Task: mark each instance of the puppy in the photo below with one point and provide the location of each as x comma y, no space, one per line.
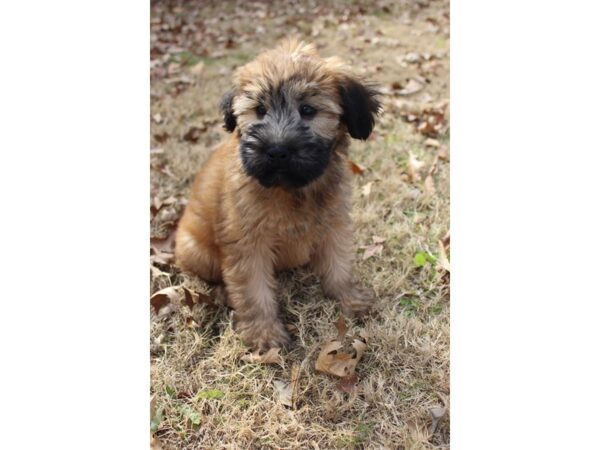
277,193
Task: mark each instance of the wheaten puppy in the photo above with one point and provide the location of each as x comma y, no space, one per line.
277,193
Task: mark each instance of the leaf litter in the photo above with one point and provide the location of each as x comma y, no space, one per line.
333,360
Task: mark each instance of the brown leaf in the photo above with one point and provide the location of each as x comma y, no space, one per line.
446,239
272,356
161,138
430,142
414,166
338,363
429,185
341,327
189,298
190,322
372,250
163,298
197,69
193,134
356,169
155,443
348,384
444,153
443,261
412,87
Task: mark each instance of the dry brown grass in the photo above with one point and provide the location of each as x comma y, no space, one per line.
405,371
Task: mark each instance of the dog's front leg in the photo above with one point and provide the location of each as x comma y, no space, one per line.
249,278
332,261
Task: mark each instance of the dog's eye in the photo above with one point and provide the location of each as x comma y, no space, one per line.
307,111
261,110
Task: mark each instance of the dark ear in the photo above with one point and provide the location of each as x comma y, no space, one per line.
226,107
360,105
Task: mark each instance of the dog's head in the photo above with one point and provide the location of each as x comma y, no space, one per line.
290,107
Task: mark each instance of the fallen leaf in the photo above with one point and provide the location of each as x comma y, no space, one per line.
272,356
348,384
161,138
366,189
158,256
164,297
444,153
430,142
446,239
341,327
372,250
429,185
284,392
155,443
443,261
412,57
356,169
197,69
337,363
412,87
437,414
193,134
191,323
378,239
196,298
414,165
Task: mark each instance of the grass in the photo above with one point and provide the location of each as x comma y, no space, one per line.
207,396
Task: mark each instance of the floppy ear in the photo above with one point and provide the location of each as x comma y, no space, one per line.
226,107
360,105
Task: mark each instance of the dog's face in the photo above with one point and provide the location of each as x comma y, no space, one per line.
289,107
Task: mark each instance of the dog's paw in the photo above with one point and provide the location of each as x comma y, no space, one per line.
261,336
357,301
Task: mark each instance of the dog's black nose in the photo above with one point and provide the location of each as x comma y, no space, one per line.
277,153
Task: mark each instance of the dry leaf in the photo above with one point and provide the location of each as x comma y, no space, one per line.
366,189
193,134
197,69
372,250
337,363
430,142
272,356
341,327
288,392
429,185
161,138
164,297
446,239
437,414
161,257
443,258
284,392
414,165
412,87
378,240
356,169
155,443
348,384
444,153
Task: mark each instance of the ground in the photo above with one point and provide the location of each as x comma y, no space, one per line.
205,395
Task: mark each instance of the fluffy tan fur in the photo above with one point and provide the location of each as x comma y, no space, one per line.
236,231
